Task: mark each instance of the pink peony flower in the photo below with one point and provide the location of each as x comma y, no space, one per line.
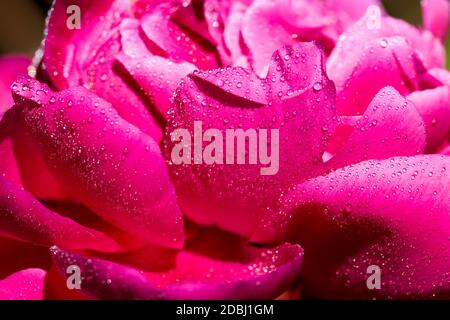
358,107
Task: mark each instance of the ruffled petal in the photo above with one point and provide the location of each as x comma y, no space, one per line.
383,62
442,75
22,217
270,25
296,101
66,49
213,265
18,255
392,214
434,107
86,56
158,77
436,17
108,164
391,126
10,68
24,285
373,25
172,42
349,11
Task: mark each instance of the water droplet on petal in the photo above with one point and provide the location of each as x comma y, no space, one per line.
317,86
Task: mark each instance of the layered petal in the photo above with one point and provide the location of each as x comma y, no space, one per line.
392,214
24,285
383,62
374,27
269,25
200,271
17,256
434,107
10,68
157,76
67,49
170,41
436,17
391,126
295,107
108,164
86,56
23,218
349,11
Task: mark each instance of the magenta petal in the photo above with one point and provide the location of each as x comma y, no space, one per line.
442,75
105,77
109,165
300,104
383,62
391,213
232,33
391,126
157,76
373,25
269,25
434,107
132,43
445,150
67,50
24,218
212,267
10,68
436,17
173,42
86,56
24,285
349,10
237,82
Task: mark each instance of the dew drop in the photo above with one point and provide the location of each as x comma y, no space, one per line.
317,86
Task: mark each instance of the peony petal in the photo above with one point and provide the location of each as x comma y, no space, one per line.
383,62
173,43
132,43
373,25
232,34
86,56
35,173
445,150
67,50
22,217
391,213
391,126
300,105
349,11
109,165
237,83
436,17
10,68
109,81
24,285
434,107
157,76
269,25
442,75
237,271
18,255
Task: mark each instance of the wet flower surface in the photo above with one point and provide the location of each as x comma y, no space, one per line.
358,107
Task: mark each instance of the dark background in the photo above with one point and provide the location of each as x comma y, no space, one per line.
22,22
